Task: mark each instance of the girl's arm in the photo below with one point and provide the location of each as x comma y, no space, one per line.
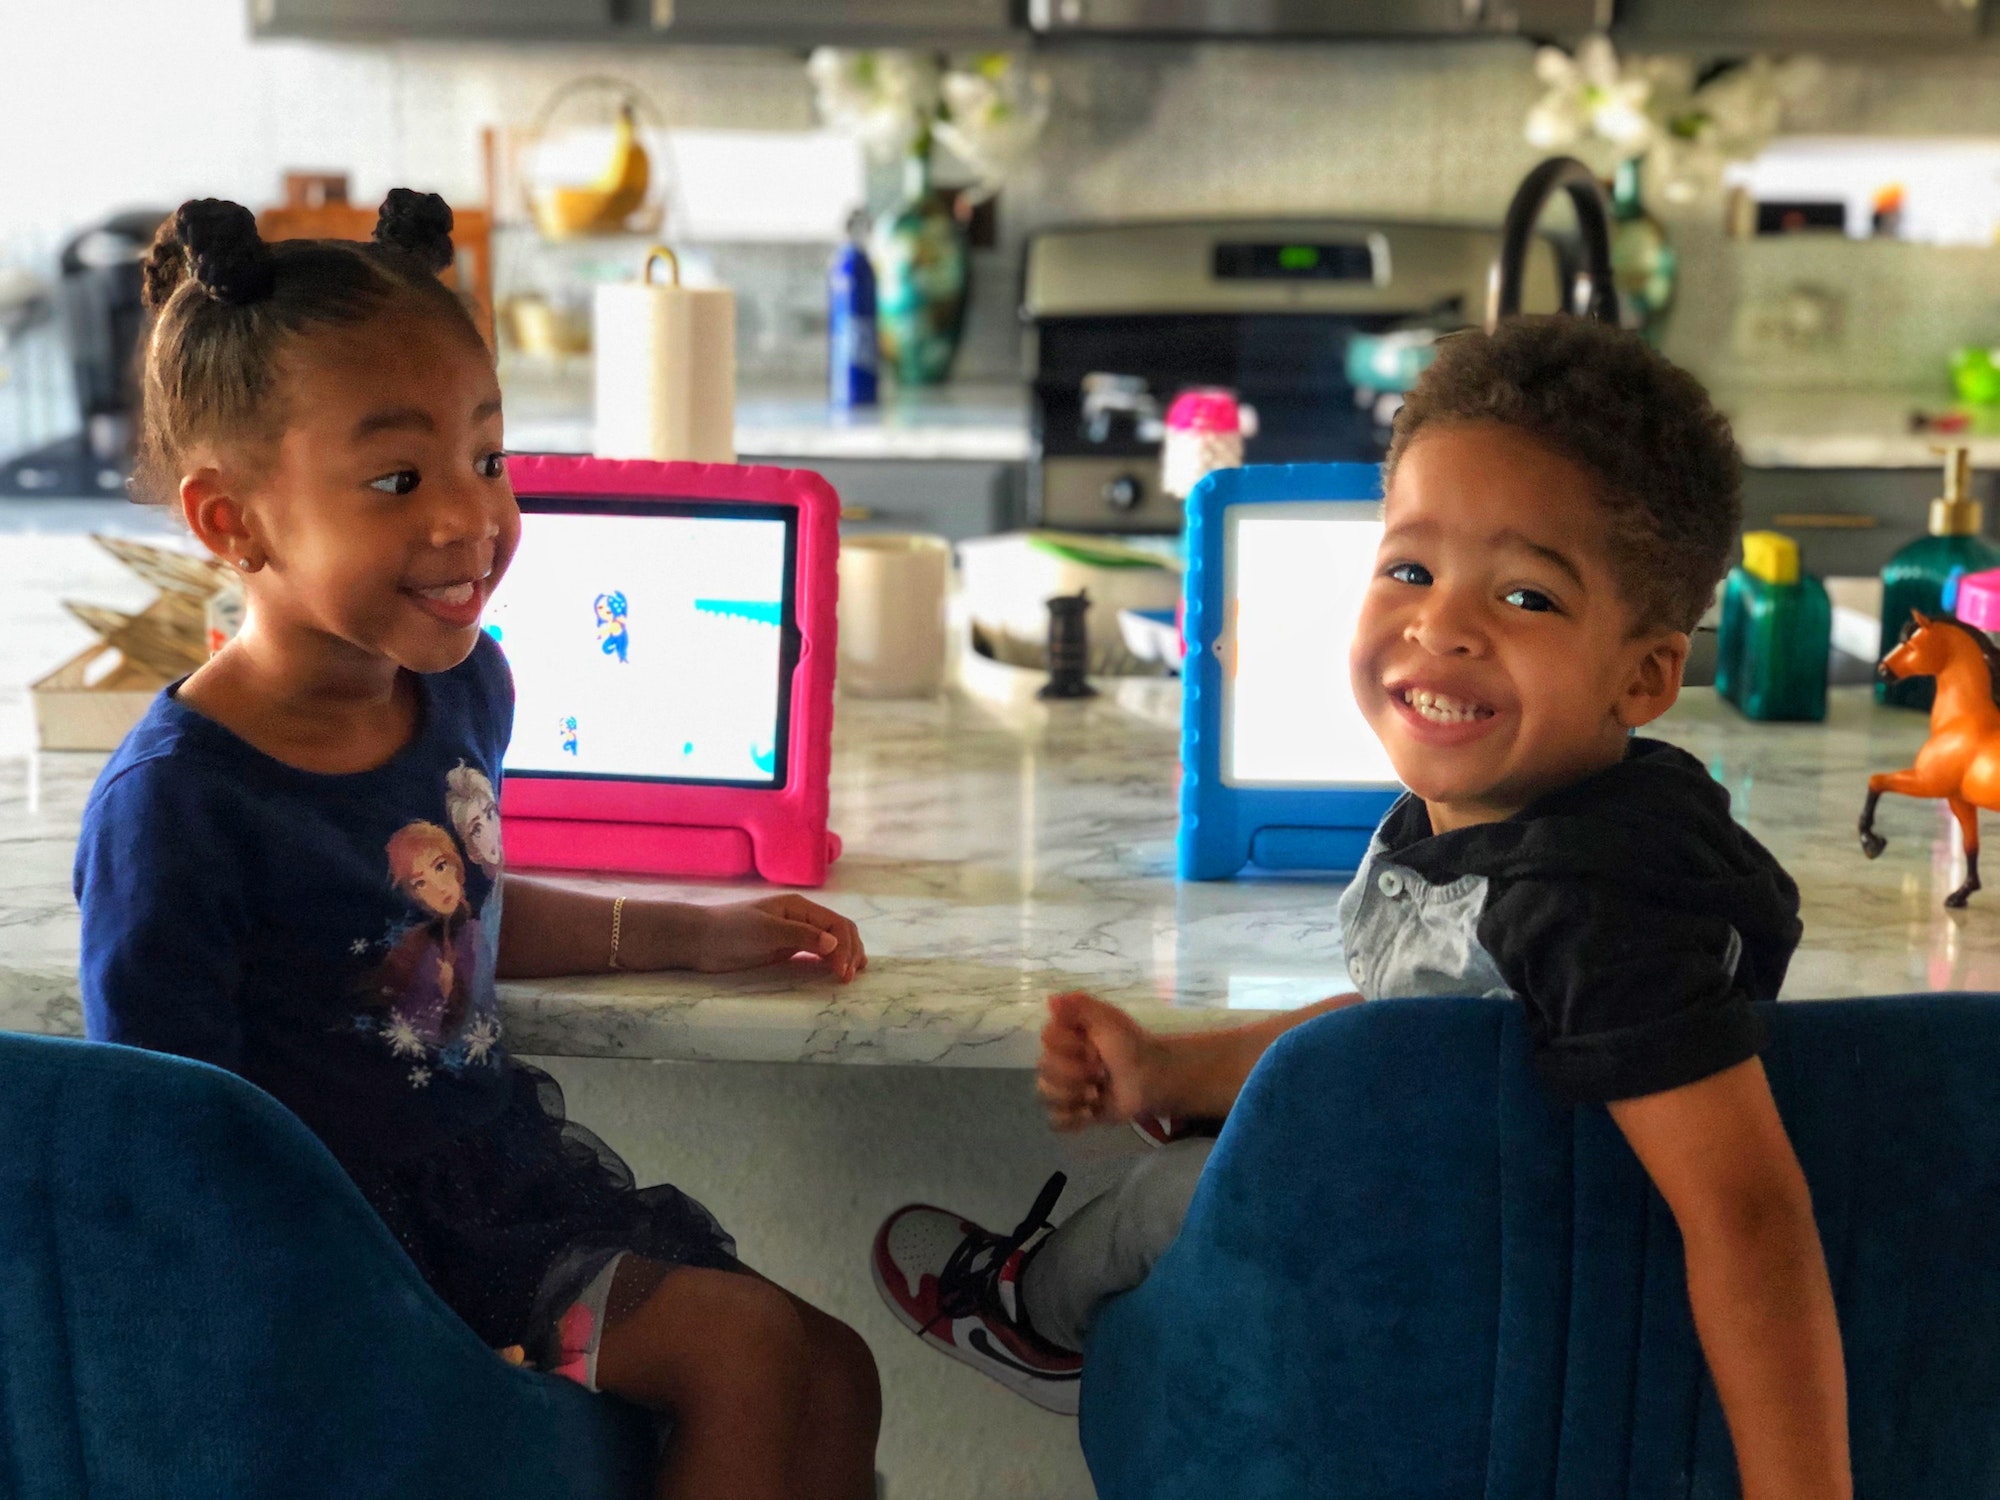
1100,1067
1756,1277
165,918
552,929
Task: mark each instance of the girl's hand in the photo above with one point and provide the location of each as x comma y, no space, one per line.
1096,1064
750,934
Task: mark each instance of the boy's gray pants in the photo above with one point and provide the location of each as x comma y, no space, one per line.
1108,1246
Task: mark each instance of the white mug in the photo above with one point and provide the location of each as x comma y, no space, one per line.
892,614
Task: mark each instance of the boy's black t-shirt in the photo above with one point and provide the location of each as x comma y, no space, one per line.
1632,915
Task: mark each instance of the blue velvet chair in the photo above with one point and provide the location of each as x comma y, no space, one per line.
1407,1273
195,1302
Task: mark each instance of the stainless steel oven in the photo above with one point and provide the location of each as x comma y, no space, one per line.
1122,317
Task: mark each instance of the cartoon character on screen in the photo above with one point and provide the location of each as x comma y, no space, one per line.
566,729
611,635
428,991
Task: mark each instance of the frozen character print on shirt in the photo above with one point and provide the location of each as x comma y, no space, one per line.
474,810
611,637
475,816
432,996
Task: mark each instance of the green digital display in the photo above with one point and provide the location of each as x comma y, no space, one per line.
1275,260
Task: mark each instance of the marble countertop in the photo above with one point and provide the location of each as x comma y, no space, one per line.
968,422
999,848
1781,429
1776,428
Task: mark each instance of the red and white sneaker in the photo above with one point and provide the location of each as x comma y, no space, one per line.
956,1286
1164,1130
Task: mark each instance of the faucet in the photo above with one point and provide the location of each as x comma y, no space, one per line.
1591,292
1106,395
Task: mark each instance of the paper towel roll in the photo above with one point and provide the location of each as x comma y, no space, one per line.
665,369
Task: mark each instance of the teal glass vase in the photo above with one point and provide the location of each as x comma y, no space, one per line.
1644,265
920,259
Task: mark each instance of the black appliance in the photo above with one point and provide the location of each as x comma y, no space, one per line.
1122,317
98,298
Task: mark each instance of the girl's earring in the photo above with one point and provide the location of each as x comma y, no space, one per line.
246,565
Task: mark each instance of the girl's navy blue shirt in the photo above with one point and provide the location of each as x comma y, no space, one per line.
330,938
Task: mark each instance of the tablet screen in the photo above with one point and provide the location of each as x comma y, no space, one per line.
650,640
1296,573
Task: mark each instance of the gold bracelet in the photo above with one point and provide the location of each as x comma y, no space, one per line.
617,929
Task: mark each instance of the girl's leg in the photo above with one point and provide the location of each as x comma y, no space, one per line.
726,1356
769,1395
835,1459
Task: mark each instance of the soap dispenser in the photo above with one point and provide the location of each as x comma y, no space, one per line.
1777,628
1915,576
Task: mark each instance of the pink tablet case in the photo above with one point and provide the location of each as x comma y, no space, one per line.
666,828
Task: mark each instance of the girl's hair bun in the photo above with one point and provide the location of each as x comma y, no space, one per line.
418,224
215,243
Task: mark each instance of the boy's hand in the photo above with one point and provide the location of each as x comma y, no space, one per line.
750,934
1095,1065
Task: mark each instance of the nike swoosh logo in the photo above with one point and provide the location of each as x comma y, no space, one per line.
979,1339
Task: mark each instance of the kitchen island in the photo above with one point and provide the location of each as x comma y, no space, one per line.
999,849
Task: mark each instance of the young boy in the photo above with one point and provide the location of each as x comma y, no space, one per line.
1560,503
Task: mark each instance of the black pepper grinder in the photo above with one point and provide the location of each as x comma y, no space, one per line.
1069,647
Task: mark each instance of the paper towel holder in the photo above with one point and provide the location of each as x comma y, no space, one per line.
658,253
670,824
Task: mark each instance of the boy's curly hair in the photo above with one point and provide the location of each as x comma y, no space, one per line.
1665,461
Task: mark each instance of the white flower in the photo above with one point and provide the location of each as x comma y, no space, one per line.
885,99
403,1038
1589,99
1606,111
995,112
358,947
420,1078
479,1039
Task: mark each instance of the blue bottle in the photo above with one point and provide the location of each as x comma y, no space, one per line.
854,356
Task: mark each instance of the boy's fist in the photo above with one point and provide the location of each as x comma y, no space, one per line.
1094,1065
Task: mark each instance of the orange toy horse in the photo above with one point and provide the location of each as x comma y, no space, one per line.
1960,762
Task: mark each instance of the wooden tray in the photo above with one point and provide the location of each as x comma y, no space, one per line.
76,709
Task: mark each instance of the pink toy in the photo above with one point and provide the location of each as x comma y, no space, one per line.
1206,427
559,821
1978,601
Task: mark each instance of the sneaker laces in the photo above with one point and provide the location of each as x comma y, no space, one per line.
969,1284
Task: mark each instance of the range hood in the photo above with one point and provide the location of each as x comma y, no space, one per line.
1263,19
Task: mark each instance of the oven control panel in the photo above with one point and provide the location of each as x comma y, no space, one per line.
1092,493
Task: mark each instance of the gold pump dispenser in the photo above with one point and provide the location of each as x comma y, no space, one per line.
1955,512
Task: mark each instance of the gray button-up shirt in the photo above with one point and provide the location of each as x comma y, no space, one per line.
1407,937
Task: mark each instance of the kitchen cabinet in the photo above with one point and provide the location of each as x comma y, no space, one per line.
950,498
1726,25
507,19
1276,20
1810,506
852,22
776,23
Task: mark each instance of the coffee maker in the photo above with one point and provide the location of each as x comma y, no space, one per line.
103,317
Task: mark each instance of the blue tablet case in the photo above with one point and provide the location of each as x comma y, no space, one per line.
1224,828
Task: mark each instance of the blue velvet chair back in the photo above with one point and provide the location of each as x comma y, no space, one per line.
1408,1273
195,1301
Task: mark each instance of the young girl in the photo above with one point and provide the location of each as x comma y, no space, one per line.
290,867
